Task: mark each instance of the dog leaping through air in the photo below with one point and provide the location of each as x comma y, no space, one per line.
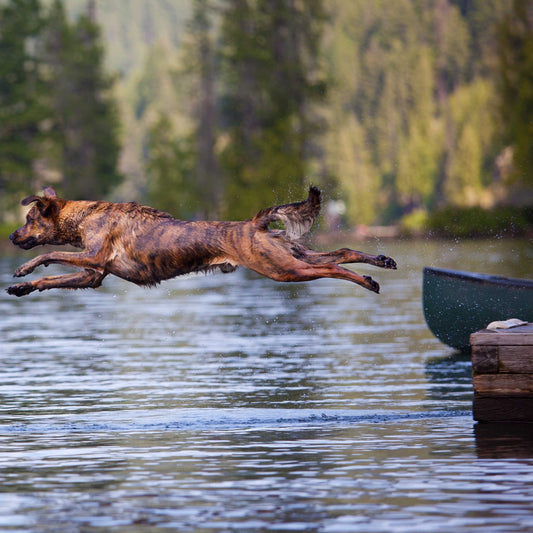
145,246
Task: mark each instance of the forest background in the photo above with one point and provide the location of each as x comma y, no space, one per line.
410,112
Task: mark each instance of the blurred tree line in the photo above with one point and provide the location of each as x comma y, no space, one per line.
252,77
398,107
58,121
420,116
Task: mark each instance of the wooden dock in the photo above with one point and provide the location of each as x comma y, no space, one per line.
502,365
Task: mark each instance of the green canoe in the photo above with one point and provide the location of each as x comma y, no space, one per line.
457,304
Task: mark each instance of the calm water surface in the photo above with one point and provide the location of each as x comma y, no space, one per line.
233,403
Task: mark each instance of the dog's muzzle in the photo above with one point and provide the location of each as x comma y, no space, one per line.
25,244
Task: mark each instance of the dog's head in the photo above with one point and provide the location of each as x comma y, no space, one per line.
41,221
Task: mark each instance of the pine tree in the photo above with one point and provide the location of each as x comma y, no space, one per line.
171,171
272,79
23,109
516,87
85,117
182,165
207,171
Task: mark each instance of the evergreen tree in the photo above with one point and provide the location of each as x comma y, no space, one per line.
350,163
482,18
411,89
203,70
85,117
421,152
472,158
410,73
186,159
516,74
171,170
23,109
272,79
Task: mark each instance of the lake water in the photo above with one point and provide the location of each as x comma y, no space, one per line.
234,403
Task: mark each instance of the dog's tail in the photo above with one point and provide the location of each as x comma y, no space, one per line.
297,218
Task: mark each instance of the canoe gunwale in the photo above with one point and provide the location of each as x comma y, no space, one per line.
475,277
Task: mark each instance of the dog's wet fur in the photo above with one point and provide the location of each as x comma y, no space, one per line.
145,246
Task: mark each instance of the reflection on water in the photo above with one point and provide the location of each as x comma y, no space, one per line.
232,403
510,440
450,376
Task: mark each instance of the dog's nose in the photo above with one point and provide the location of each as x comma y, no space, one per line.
12,237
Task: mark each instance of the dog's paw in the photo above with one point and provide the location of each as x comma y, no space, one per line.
23,270
20,289
386,262
371,285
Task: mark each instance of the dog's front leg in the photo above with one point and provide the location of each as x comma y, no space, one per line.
75,259
80,280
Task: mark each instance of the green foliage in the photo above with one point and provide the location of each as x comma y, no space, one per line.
482,17
418,80
420,155
271,81
184,92
410,103
171,171
131,28
353,170
473,153
23,105
415,222
85,118
516,71
475,221
58,121
419,165
428,103
203,71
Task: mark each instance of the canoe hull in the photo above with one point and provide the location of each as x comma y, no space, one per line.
457,303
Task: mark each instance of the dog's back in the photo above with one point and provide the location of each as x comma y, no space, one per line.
150,246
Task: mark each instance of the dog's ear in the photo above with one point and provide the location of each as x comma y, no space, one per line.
49,192
31,199
47,206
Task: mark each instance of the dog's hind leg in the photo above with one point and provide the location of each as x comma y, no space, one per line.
345,255
296,270
80,280
332,270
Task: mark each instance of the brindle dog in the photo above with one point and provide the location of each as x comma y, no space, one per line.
146,246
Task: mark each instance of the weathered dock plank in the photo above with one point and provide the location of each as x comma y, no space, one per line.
521,335
502,368
504,384
502,409
505,359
